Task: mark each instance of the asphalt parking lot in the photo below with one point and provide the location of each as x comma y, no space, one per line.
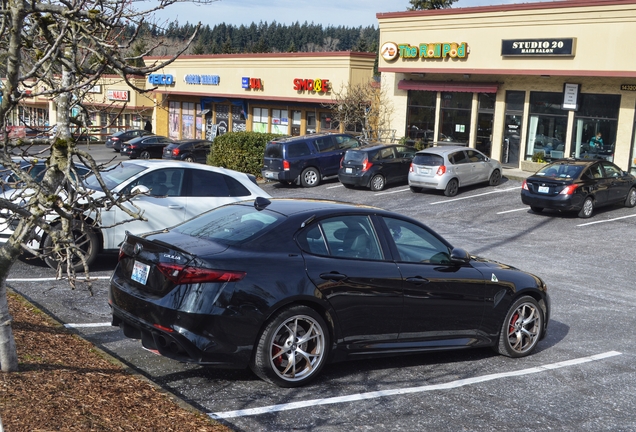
581,378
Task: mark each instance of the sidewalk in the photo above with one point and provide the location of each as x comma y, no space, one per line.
515,173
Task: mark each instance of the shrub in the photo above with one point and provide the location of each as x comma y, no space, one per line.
240,151
538,157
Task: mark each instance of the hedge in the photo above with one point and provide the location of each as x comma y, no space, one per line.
240,151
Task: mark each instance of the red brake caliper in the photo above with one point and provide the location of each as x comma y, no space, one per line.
514,319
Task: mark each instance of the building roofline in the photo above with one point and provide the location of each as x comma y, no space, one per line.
353,54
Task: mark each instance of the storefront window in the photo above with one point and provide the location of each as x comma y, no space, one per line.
547,126
187,120
421,115
311,122
296,118
238,119
327,123
512,132
222,119
485,119
198,122
280,122
632,167
595,126
259,119
173,119
455,116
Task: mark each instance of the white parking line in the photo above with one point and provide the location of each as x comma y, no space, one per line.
608,220
106,324
53,279
395,392
515,210
475,196
392,192
336,186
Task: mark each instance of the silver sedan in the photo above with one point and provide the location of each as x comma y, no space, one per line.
448,168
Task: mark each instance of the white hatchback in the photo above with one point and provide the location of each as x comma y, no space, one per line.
448,168
171,192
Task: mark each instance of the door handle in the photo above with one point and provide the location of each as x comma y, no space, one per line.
417,280
175,206
334,276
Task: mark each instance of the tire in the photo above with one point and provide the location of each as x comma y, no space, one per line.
292,348
536,209
310,177
451,188
144,154
415,189
495,178
587,209
521,329
188,159
377,183
630,200
84,238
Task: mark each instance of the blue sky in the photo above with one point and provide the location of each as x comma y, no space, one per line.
350,13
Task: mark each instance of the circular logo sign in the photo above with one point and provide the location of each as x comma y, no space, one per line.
389,51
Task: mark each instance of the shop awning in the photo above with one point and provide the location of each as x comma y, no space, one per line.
468,87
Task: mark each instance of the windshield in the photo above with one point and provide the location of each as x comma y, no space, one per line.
113,176
231,224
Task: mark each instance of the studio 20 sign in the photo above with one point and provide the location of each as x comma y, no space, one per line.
314,85
391,51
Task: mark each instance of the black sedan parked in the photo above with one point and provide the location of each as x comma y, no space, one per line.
115,140
578,185
145,147
375,166
284,286
189,150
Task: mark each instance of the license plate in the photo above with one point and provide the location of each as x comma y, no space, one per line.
270,175
349,170
544,189
425,171
140,272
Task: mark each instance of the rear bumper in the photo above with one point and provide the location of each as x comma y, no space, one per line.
558,202
279,175
427,182
354,180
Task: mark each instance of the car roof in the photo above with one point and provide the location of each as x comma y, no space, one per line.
126,131
315,207
441,150
171,163
573,161
286,139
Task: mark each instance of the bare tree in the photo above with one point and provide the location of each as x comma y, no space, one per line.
60,49
364,106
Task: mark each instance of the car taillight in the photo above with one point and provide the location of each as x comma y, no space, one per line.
341,161
524,186
569,189
366,165
441,170
411,168
286,165
115,139
180,274
175,152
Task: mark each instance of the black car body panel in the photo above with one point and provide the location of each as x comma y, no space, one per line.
196,150
115,140
564,185
378,299
285,159
360,165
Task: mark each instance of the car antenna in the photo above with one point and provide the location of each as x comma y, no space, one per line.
261,203
308,221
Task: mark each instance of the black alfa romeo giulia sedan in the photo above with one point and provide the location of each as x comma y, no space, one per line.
285,286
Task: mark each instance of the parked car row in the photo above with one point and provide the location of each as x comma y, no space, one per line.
307,160
139,143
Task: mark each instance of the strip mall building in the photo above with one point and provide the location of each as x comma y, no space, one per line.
516,79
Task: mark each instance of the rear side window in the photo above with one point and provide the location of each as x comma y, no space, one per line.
346,142
297,149
274,150
428,159
212,184
458,158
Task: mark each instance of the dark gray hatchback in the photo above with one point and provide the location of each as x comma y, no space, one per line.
306,160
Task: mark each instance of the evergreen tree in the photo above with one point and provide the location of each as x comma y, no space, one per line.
430,4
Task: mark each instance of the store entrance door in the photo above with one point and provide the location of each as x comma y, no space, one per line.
512,141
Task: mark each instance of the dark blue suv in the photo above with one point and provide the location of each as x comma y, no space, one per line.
306,160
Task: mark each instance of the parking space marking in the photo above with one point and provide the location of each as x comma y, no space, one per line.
336,186
392,192
54,279
88,325
478,195
607,220
515,210
395,392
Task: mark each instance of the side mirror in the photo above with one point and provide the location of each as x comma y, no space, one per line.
140,190
459,256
